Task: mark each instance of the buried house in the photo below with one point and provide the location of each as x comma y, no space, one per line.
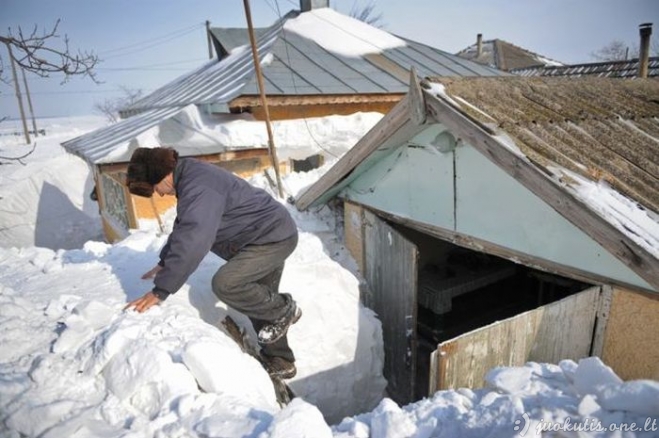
503,220
315,63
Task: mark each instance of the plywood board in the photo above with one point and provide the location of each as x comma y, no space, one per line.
631,339
551,333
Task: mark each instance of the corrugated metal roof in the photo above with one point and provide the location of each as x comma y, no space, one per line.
231,37
214,82
294,65
505,56
610,69
602,129
95,146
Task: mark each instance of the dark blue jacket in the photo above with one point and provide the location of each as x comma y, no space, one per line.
216,211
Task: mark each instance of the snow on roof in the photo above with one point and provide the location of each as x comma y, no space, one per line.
340,34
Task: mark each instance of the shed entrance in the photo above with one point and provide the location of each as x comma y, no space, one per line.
427,292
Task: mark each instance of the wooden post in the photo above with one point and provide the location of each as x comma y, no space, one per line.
257,66
210,42
29,104
17,88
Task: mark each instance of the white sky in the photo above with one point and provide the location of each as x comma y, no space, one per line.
73,364
144,47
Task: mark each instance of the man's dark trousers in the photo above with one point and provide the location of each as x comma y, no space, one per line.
249,283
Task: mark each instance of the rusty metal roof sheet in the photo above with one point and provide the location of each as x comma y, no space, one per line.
602,129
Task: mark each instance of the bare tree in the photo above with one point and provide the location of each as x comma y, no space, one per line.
38,53
367,14
614,51
110,107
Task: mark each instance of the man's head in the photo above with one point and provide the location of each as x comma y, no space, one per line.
148,167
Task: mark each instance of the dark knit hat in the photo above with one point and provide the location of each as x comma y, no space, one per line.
147,167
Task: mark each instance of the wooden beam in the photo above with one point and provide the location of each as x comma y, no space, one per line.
322,99
567,205
238,154
385,128
417,100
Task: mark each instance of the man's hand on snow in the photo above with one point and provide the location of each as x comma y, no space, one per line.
142,304
152,273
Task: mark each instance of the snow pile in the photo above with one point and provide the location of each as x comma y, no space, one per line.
45,196
71,360
192,132
568,399
74,364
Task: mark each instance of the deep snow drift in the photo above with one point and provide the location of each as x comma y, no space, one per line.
73,364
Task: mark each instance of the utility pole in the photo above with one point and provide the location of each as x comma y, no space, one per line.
210,42
29,104
259,77
17,87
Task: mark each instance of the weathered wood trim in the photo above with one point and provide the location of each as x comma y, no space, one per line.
390,123
112,168
433,378
603,311
568,206
480,245
418,112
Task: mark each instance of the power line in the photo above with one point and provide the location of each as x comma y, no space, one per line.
151,66
149,43
118,90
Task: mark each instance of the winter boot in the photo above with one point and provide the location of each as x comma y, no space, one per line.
279,367
271,333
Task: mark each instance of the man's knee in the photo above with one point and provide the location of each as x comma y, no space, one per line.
224,285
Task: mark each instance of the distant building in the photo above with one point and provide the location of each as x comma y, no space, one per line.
503,55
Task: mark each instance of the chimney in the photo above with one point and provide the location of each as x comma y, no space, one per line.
645,30
479,45
307,5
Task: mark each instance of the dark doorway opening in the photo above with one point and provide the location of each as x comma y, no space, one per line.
460,290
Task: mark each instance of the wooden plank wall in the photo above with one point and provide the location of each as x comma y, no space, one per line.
560,330
631,338
353,219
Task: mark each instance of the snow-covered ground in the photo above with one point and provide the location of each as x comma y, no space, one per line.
74,364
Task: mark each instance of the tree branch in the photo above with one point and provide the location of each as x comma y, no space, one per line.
38,54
